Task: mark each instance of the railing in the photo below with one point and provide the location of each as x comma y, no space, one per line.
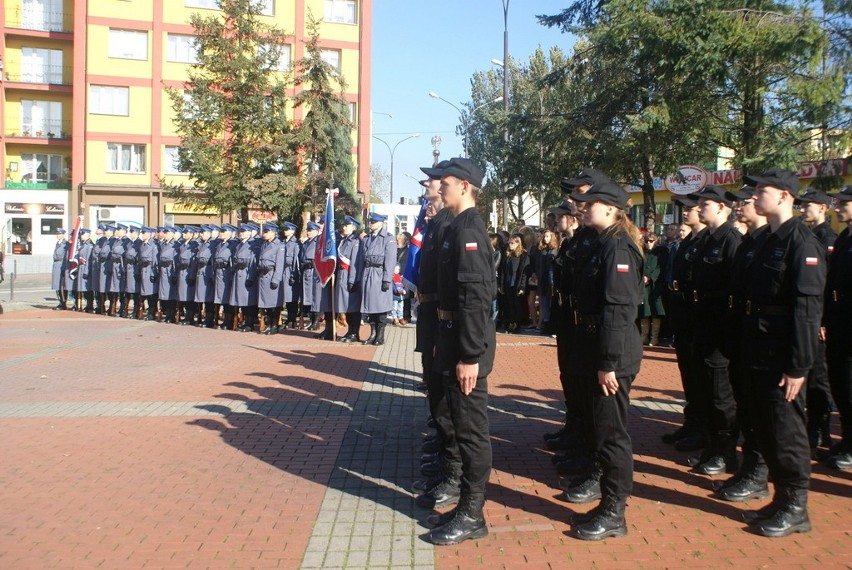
25,18
57,185
42,130
44,75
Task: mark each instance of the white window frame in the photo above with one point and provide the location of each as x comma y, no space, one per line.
353,113
341,11
181,48
208,4
285,55
43,15
128,44
40,65
170,156
41,117
267,7
109,100
333,57
30,163
126,158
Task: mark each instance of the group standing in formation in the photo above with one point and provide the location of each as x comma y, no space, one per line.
242,278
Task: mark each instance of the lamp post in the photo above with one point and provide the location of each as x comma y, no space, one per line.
392,151
465,118
504,65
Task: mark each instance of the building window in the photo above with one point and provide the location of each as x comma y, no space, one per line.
50,225
126,158
41,118
279,55
43,15
41,65
41,167
181,49
108,100
211,4
331,57
341,11
172,162
267,7
128,44
353,114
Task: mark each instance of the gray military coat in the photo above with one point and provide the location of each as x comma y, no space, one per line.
378,262
348,276
292,250
83,283
167,266
205,284
117,278
270,270
186,271
148,272
60,262
224,271
131,266
244,286
306,267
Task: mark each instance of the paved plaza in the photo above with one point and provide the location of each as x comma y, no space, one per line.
130,444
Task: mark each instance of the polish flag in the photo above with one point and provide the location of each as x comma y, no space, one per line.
471,246
811,261
622,268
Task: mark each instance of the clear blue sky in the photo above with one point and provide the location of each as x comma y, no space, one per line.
420,47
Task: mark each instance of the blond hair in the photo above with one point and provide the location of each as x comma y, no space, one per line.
623,224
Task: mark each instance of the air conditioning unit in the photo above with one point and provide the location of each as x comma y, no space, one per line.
104,214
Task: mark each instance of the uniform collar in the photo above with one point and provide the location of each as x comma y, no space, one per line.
784,231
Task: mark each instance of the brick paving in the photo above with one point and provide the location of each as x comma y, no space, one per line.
139,445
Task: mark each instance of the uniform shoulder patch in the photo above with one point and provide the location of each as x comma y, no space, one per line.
471,246
622,268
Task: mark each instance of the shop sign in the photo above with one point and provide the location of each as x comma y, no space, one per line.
261,216
726,177
687,180
34,209
197,209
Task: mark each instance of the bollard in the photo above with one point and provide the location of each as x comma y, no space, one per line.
12,280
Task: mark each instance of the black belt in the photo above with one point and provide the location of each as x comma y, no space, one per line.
308,265
427,297
585,320
698,296
370,264
447,315
767,310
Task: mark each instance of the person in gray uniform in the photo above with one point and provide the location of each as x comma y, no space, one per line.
117,279
270,272
131,275
204,275
290,278
378,263
146,261
244,291
224,275
348,279
57,274
168,275
105,268
186,275
82,284
309,279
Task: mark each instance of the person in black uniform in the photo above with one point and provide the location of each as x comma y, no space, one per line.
710,279
689,436
464,354
783,291
750,480
814,205
443,489
838,315
607,350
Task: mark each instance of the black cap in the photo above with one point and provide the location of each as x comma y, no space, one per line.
744,193
715,193
432,171
565,208
844,195
685,201
461,168
607,192
777,177
588,176
813,196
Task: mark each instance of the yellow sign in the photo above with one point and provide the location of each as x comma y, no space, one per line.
191,209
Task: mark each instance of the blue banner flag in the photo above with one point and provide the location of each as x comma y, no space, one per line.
325,257
411,272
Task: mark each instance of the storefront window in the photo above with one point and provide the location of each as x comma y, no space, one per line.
22,236
50,225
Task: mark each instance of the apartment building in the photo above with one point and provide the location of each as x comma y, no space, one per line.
86,127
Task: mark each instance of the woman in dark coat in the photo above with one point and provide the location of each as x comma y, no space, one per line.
513,282
652,310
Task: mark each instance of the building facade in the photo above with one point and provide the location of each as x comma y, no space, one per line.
87,123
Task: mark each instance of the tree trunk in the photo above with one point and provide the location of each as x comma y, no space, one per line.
649,209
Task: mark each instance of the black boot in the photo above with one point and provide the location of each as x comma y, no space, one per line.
607,522
327,333
61,302
440,519
380,334
751,485
585,492
446,493
372,336
314,324
791,517
467,523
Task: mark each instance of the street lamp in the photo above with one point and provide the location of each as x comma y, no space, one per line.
465,118
392,151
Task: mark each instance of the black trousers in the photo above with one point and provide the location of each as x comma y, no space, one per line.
781,430
746,413
469,415
608,435
715,398
819,388
839,359
693,419
576,395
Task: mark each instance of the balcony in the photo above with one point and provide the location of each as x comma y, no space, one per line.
55,185
46,130
45,75
27,18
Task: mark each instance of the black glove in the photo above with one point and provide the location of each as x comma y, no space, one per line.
249,283
146,263
385,285
350,287
291,281
174,279
273,286
153,279
191,282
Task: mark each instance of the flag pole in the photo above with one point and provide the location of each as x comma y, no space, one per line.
333,312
